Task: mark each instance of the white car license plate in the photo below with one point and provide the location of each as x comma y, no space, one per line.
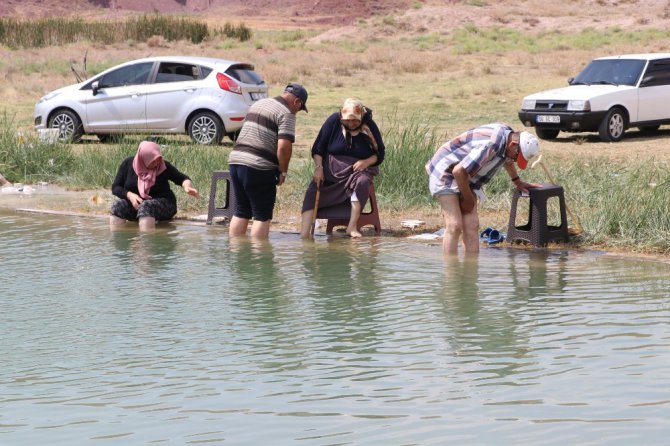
257,96
554,119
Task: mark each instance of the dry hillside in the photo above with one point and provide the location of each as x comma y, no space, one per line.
417,15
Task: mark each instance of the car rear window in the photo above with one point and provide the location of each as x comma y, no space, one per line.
177,72
244,74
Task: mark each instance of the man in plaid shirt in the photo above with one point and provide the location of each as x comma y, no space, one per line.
460,168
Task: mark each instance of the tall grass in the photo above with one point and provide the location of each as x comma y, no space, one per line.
18,33
624,204
410,143
171,28
26,159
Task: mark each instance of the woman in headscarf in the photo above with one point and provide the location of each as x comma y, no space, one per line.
142,184
346,154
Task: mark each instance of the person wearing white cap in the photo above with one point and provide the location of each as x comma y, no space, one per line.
459,168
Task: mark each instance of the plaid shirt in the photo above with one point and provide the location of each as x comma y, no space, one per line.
481,152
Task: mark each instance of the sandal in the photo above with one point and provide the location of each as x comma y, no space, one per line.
486,235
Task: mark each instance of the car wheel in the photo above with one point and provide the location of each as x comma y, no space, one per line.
205,128
68,124
546,133
613,126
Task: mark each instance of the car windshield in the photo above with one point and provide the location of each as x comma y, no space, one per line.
611,71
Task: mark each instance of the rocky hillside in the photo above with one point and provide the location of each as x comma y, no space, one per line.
319,11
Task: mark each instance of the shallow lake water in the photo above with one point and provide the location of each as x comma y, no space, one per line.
183,336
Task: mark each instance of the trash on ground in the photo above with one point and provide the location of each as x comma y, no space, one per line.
412,224
428,236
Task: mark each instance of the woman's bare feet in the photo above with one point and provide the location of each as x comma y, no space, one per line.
353,233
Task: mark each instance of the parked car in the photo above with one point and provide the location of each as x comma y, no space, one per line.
203,97
609,96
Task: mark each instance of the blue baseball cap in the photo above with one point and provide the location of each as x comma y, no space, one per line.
298,91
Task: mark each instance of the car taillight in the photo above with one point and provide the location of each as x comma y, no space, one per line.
228,84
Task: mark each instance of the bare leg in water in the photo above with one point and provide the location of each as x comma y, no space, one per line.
352,228
147,223
306,223
116,222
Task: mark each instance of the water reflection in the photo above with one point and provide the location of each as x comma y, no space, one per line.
481,308
486,306
184,336
537,273
256,280
145,253
345,294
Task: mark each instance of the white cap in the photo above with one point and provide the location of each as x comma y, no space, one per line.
529,147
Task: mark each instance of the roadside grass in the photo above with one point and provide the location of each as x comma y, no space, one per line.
424,88
471,39
56,31
24,159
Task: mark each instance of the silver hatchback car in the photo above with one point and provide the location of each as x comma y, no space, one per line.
203,97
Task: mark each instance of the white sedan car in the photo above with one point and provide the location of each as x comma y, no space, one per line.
609,96
203,97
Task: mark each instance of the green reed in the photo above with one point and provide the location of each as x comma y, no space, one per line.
617,204
19,33
240,32
410,144
620,204
24,158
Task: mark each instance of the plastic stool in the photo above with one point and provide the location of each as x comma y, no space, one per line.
537,231
229,203
339,214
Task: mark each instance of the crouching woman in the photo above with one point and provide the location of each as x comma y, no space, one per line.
142,184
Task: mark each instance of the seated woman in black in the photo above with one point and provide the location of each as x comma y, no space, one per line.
142,186
346,154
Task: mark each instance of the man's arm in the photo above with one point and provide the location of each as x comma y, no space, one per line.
462,177
518,182
284,152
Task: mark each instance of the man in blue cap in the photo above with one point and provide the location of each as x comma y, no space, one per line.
259,160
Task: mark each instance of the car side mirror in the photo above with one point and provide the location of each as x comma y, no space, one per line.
571,80
95,86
